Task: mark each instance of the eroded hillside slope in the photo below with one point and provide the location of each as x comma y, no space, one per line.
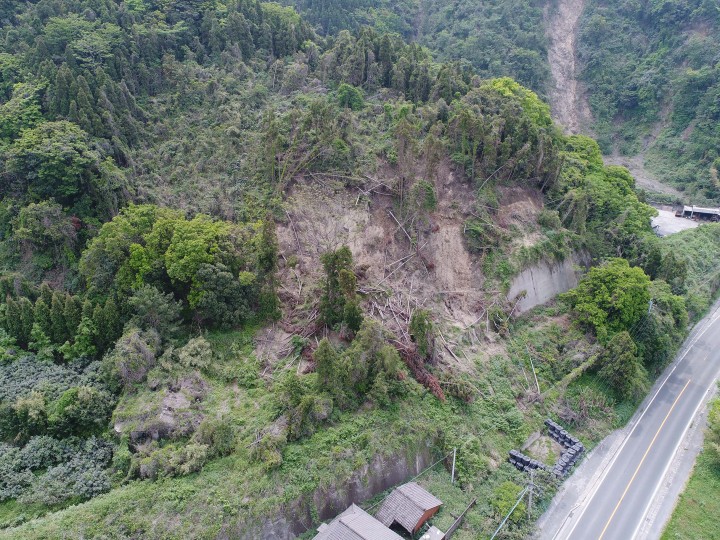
245,266
568,97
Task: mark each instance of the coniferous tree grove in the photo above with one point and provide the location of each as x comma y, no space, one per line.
149,151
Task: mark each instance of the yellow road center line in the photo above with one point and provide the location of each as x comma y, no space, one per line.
642,460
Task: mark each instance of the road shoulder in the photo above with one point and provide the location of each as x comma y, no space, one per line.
677,477
577,490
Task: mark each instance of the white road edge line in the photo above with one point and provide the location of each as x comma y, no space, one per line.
601,479
672,457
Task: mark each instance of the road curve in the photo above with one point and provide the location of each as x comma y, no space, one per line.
614,502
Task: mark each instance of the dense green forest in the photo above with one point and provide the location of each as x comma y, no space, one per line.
649,67
652,71
151,154
497,37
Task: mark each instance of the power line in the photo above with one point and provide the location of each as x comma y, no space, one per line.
412,479
426,469
520,498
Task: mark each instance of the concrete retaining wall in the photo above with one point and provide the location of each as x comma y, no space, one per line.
382,473
545,280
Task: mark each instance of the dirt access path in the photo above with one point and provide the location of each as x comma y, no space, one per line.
643,178
636,164
567,98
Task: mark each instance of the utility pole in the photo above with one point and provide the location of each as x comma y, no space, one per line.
530,492
452,475
533,368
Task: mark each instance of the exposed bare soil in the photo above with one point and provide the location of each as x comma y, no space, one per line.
423,262
434,271
544,449
404,259
568,98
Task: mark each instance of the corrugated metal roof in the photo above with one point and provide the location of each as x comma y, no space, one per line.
703,210
421,497
356,524
406,505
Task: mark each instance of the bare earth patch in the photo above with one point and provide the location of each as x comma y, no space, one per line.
543,448
567,97
643,178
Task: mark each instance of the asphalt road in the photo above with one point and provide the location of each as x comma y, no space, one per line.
614,505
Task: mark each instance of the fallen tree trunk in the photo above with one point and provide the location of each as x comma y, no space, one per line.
416,365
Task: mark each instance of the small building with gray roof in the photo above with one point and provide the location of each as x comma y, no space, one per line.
409,506
355,524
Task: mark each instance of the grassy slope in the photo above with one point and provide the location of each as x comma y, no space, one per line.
701,249
230,491
696,515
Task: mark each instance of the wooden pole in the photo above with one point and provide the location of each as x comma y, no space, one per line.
530,493
452,475
533,368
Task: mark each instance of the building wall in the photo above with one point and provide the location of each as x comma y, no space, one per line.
427,515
